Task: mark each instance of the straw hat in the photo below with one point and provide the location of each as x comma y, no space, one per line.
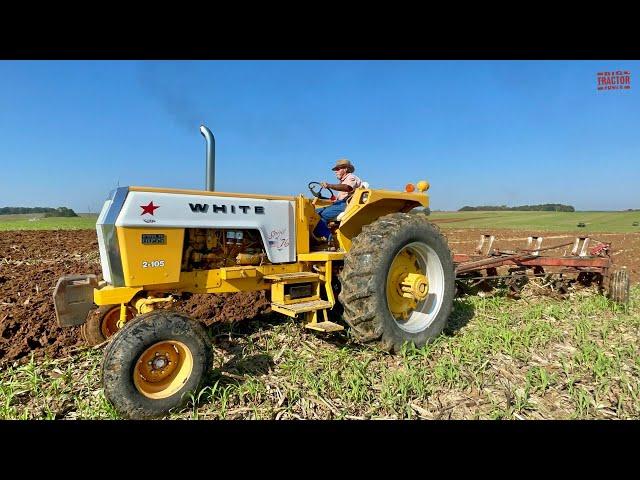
343,162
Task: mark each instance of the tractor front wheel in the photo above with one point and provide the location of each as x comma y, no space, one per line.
398,282
153,362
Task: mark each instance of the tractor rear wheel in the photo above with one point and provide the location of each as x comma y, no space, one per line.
398,282
619,286
153,362
103,323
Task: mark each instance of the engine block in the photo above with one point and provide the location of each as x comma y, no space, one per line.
210,248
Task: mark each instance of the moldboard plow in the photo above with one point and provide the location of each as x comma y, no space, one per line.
584,260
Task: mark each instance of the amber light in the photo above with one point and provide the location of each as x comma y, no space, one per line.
409,187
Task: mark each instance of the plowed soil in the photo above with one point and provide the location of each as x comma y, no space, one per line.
32,261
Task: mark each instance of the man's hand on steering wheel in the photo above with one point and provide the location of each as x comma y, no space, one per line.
318,194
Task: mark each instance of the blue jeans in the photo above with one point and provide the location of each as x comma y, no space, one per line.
326,215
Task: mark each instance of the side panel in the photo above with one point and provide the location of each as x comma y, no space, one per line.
274,219
306,220
150,263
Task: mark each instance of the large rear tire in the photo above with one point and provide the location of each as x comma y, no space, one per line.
398,254
153,362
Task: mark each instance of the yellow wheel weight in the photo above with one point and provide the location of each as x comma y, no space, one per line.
163,369
415,285
406,284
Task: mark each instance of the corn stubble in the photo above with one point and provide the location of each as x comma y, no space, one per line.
533,358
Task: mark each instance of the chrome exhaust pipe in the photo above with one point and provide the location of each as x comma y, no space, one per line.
211,158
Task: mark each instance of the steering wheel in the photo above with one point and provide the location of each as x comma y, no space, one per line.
316,190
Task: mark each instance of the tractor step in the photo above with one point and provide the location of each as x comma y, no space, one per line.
294,309
325,327
295,277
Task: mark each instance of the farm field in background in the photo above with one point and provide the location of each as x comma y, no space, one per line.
618,222
614,222
37,221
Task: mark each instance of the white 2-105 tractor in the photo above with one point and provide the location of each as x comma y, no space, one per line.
389,268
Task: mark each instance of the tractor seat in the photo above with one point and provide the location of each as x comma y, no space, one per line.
364,185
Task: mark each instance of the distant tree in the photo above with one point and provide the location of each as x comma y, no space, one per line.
546,207
61,212
48,211
22,210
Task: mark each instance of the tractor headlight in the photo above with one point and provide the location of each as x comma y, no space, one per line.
423,186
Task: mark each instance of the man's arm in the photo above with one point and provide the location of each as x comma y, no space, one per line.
340,187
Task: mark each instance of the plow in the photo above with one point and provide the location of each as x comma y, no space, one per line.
585,261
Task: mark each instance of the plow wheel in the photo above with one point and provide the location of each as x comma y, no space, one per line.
103,323
398,282
154,362
619,287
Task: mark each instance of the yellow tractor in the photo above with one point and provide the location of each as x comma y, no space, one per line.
389,268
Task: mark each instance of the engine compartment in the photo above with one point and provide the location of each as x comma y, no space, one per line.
210,248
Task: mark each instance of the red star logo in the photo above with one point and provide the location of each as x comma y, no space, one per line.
148,208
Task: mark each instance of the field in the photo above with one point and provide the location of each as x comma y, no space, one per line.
36,221
613,222
536,357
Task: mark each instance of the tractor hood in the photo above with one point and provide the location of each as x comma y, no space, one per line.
149,209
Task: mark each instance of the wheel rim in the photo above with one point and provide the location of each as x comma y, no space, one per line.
419,265
163,369
109,324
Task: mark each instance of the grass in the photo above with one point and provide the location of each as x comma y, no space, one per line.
613,222
38,222
532,358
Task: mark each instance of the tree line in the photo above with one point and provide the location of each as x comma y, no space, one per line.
545,207
48,211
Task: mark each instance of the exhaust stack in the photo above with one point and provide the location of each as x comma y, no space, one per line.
211,158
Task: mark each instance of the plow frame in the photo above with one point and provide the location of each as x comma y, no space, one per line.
583,258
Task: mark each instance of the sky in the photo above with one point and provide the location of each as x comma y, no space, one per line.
480,132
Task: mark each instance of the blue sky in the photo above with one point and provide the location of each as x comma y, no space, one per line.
481,132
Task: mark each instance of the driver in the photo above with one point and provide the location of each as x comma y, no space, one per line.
348,183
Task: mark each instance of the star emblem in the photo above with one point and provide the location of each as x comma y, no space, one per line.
148,208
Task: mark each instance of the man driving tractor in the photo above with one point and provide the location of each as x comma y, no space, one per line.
348,183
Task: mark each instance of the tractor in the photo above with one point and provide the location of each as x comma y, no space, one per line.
386,268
